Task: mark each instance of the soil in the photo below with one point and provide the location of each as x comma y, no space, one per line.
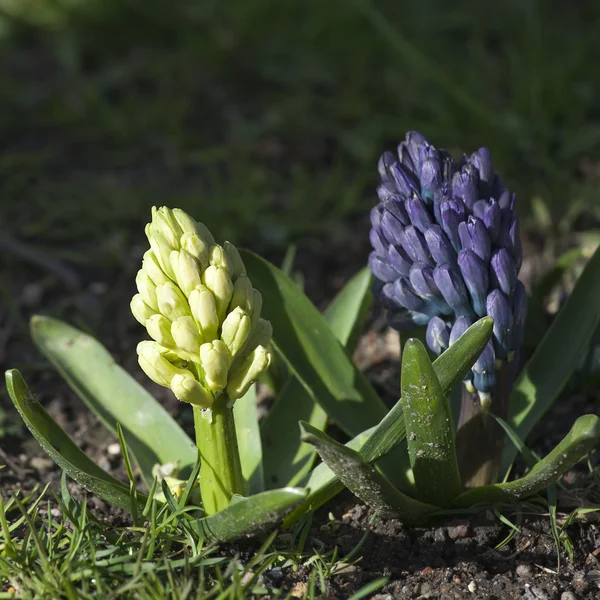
457,559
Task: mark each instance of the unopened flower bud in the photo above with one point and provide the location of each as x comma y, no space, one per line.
439,246
152,267
187,389
261,335
218,281
235,330
147,289
197,247
218,258
248,372
453,290
438,335
204,310
503,271
159,328
186,336
153,362
461,324
187,271
242,294
215,361
161,248
475,276
165,223
257,303
414,244
140,310
190,225
484,369
237,264
499,309
171,301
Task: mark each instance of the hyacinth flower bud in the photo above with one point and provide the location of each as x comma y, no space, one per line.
431,178
416,248
261,335
503,272
375,216
218,281
186,336
439,246
386,160
465,186
460,325
491,219
452,214
396,207
399,260
383,270
475,276
474,236
140,310
161,248
391,228
146,289
243,294
378,241
190,225
159,329
404,295
204,310
171,301
215,362
218,258
500,310
197,247
514,242
248,372
187,389
235,330
187,271
484,370
506,200
164,222
152,268
422,282
438,335
418,214
237,267
153,360
403,179
482,161
453,290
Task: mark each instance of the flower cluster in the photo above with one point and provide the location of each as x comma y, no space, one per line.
447,250
200,308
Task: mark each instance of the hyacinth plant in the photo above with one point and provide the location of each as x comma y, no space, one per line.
219,319
446,256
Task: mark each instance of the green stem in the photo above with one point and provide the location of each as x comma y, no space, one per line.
220,468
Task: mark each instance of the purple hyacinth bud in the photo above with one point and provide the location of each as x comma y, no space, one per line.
474,236
514,242
475,276
438,335
439,246
391,228
482,161
386,191
409,151
519,314
484,369
379,243
405,180
405,296
431,176
465,186
459,327
395,205
503,272
423,283
376,216
500,310
479,208
506,200
418,214
491,218
399,260
453,290
386,160
414,244
452,212
382,269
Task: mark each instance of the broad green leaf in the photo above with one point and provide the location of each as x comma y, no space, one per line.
378,441
363,479
152,435
248,516
556,358
428,422
287,460
312,351
581,439
65,453
247,432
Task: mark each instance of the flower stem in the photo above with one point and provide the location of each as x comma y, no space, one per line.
220,467
479,437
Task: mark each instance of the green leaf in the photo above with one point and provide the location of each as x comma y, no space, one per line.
556,358
287,460
312,351
248,516
152,435
363,479
59,446
428,422
583,437
247,433
378,441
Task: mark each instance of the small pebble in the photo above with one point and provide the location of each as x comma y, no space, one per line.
41,464
472,587
524,570
568,596
114,449
55,512
458,532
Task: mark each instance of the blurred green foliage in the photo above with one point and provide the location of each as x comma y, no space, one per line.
265,118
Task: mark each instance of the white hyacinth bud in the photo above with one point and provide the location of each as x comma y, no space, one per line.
165,223
187,389
218,258
204,310
159,328
218,281
242,294
161,248
235,330
171,301
151,357
248,372
190,225
257,302
140,310
187,271
215,361
237,264
147,289
197,247
152,267
186,336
